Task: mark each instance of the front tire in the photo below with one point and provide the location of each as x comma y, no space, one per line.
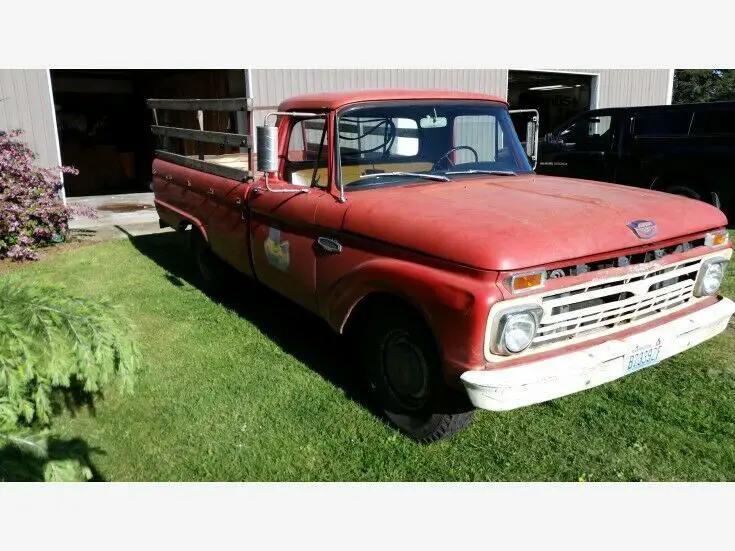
403,369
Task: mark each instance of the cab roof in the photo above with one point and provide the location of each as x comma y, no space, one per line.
334,100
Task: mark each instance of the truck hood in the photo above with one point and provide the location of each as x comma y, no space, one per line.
514,222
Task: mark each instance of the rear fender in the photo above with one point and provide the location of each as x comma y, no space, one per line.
177,218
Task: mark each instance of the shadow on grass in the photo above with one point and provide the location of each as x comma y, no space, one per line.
298,332
73,399
23,464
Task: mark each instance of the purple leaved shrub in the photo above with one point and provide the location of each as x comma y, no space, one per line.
32,213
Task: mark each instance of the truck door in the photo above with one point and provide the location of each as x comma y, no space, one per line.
583,149
283,236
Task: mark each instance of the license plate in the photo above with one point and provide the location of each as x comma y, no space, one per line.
643,356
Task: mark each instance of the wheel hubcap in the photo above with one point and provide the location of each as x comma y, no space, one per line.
405,370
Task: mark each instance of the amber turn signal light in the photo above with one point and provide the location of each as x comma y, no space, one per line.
717,238
526,282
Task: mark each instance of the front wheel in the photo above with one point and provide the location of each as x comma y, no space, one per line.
404,373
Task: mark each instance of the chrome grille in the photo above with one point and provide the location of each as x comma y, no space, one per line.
601,306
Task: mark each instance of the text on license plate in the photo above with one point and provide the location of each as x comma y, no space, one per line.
644,356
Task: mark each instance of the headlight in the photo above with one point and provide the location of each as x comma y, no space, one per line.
710,277
515,330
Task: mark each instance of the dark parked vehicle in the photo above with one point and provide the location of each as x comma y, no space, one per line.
685,149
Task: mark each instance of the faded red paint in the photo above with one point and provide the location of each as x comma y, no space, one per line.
330,101
444,247
501,223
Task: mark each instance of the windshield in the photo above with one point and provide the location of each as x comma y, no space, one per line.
403,142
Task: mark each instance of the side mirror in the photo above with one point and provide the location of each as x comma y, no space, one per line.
531,142
531,138
267,148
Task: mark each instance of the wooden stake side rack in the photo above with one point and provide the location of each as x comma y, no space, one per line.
236,166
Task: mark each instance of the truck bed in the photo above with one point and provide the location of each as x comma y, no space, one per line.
232,160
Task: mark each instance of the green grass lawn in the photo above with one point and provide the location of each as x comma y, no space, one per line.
256,389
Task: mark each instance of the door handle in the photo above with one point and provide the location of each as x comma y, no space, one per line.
329,245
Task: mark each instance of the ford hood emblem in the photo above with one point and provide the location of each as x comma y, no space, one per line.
645,229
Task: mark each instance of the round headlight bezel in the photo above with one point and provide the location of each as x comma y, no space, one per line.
528,313
718,263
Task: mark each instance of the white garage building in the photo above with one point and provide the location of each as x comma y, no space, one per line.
97,120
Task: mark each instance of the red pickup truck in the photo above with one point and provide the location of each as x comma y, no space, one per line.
413,222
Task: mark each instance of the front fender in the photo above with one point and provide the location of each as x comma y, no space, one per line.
454,303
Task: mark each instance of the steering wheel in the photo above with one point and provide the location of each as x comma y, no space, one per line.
435,166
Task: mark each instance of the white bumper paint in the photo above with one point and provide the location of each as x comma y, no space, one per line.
543,380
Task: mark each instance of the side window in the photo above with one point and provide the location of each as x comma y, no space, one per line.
480,132
306,135
593,133
662,123
714,122
304,145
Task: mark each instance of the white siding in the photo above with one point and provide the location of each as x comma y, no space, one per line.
272,86
615,87
630,87
29,104
26,103
626,87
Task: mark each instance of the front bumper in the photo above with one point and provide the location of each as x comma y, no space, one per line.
539,381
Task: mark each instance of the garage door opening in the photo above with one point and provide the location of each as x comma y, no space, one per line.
556,96
104,123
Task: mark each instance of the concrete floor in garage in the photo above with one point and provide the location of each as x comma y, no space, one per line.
119,216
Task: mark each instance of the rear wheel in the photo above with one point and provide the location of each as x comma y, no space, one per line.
403,368
212,271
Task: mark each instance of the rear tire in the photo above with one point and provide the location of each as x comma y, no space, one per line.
403,368
212,271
